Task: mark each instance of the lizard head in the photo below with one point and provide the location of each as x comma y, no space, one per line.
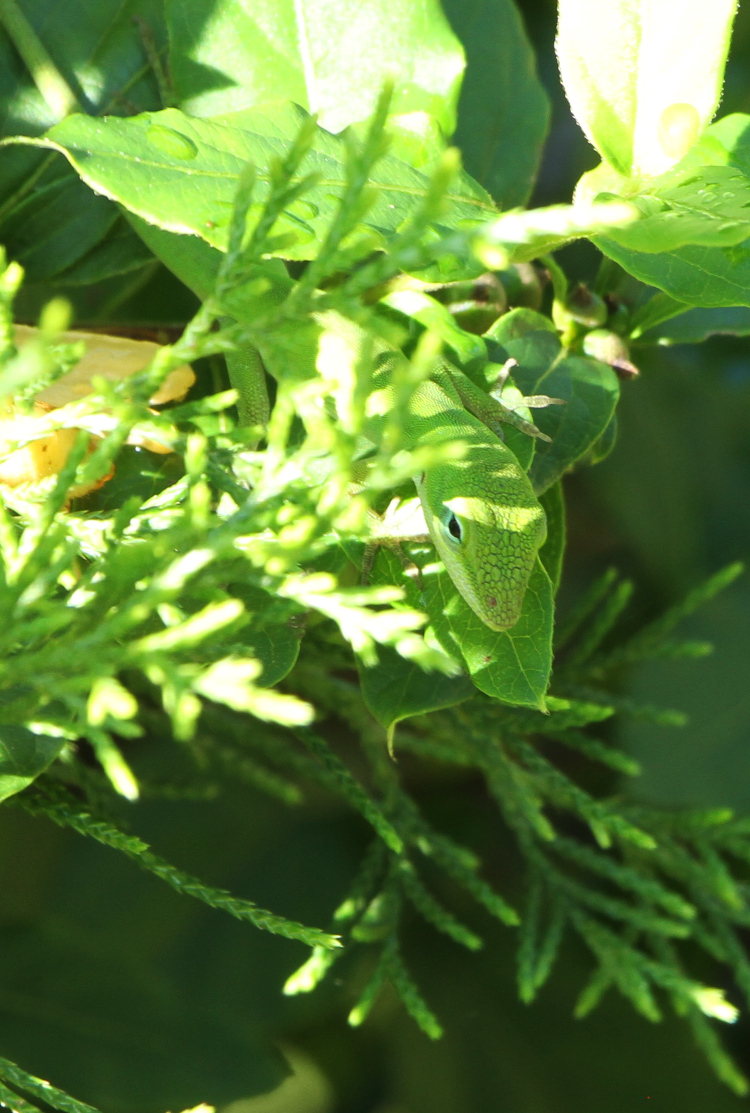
487,535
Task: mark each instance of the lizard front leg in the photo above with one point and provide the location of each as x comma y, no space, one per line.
403,520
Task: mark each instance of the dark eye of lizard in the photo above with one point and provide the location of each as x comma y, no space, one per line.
454,527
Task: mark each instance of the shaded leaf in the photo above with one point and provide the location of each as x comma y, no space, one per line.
503,110
553,550
23,756
99,51
120,252
698,324
194,261
590,390
704,276
396,689
55,226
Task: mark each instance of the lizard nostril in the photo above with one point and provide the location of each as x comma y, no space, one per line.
491,601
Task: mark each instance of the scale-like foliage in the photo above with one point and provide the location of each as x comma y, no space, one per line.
235,592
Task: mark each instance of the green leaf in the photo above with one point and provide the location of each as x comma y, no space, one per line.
182,173
712,277
643,77
700,274
519,237
99,51
23,756
503,111
511,665
709,205
590,390
332,59
698,324
56,226
194,261
121,251
396,689
553,550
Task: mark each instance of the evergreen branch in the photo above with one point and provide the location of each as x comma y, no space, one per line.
710,1044
460,863
68,814
257,775
15,1103
585,607
351,789
652,636
625,877
370,993
620,965
38,1088
601,625
406,989
528,953
550,945
661,716
595,750
431,909
604,822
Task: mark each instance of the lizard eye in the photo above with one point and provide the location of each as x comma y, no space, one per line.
454,527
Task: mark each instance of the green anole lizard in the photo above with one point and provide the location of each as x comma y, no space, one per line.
480,510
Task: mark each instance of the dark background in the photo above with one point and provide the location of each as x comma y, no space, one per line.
669,506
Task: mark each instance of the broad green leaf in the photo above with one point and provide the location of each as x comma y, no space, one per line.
56,226
194,261
503,111
277,649
104,1022
643,77
528,337
553,550
590,390
99,50
120,252
702,276
512,665
23,756
708,206
698,324
181,174
331,58
396,689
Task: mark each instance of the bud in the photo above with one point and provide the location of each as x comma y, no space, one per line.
608,347
585,307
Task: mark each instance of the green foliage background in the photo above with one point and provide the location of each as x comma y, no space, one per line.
85,933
